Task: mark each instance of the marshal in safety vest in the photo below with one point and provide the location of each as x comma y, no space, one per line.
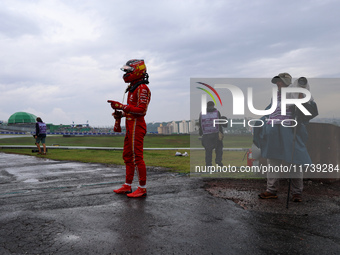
207,122
42,128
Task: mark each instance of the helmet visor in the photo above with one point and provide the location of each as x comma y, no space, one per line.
127,69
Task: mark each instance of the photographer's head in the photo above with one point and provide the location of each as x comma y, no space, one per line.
210,105
39,119
282,80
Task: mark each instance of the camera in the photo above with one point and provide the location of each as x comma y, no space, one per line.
302,81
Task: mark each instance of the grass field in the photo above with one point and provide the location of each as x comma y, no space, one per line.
156,158
150,141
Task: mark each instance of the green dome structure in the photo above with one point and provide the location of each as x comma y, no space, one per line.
22,118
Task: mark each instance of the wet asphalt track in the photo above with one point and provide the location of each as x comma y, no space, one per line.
51,207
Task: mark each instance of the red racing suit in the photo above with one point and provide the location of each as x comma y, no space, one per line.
137,105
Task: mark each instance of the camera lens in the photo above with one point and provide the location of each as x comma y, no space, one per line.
302,81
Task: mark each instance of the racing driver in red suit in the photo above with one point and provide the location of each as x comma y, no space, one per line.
134,111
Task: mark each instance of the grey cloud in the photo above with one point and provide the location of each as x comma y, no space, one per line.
13,25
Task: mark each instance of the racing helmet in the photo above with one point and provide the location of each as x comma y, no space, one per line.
134,69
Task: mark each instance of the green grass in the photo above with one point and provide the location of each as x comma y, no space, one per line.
229,141
150,141
155,158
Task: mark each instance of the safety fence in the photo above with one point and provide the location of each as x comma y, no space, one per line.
12,133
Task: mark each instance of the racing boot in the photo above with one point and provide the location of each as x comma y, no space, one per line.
123,190
140,192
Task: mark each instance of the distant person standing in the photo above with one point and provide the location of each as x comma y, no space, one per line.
212,136
40,135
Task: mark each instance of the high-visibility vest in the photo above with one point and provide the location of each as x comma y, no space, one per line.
207,123
42,128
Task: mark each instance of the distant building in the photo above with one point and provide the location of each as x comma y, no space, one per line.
183,127
163,130
173,126
193,126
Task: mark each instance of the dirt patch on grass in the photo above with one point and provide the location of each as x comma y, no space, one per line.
319,196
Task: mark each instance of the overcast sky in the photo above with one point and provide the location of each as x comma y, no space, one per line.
60,60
